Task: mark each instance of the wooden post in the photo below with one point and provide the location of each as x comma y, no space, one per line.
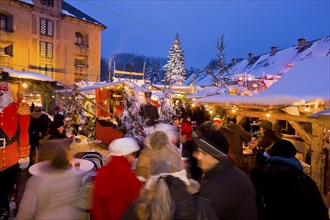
317,163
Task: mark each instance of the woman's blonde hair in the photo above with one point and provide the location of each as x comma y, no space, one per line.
155,202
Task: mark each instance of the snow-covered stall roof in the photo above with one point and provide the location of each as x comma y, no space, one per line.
96,85
308,80
27,75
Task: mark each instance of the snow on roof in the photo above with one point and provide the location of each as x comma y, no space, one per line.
279,63
97,85
71,11
207,91
28,75
308,80
27,1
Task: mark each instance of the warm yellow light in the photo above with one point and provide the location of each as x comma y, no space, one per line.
63,97
254,85
211,112
268,115
24,85
193,105
53,96
240,78
233,111
307,109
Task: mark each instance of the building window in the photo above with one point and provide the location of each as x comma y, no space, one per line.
46,27
3,22
81,62
46,50
46,69
79,38
80,76
48,2
7,51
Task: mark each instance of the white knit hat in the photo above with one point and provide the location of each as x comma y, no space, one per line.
123,146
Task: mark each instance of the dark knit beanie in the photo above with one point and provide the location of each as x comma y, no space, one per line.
283,148
213,143
56,124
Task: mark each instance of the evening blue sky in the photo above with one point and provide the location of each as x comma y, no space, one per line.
149,27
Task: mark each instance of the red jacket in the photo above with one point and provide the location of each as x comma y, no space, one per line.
186,129
14,124
116,186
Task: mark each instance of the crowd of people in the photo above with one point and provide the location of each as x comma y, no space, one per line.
184,171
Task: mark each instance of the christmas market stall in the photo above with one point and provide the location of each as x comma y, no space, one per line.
32,88
289,103
102,105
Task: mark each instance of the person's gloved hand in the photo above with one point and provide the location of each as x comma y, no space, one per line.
24,162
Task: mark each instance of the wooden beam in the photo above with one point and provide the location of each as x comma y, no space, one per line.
274,116
76,103
317,163
302,133
96,105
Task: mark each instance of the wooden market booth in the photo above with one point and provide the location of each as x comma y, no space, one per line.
301,92
32,88
107,104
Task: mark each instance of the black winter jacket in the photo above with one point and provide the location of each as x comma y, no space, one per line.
230,190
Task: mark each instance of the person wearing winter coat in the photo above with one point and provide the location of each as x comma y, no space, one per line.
168,193
189,147
284,191
142,167
52,192
230,190
55,130
236,136
116,186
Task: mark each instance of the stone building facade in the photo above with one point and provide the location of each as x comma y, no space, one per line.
50,37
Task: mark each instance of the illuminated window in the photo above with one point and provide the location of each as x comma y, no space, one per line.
49,3
46,69
46,27
46,50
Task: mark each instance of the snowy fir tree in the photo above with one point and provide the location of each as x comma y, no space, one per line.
175,68
166,109
220,74
130,117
